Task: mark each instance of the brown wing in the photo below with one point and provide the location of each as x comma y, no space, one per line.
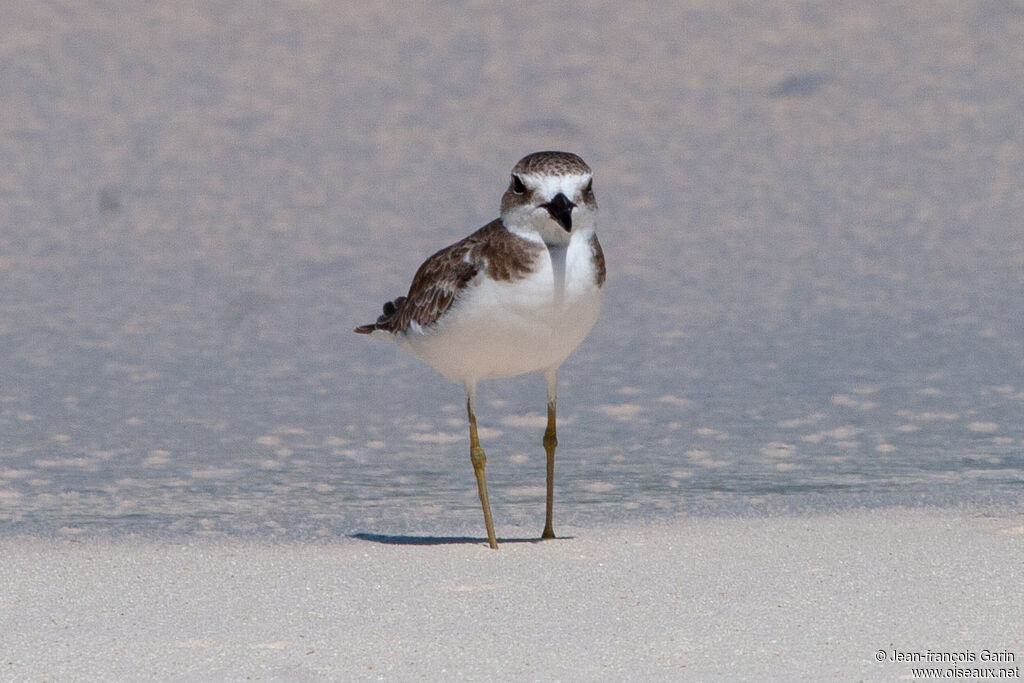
444,276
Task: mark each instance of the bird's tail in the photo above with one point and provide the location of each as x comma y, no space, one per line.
385,323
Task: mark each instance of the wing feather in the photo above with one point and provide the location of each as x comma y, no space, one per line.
445,276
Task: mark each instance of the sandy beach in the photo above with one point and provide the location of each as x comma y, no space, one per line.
778,598
792,447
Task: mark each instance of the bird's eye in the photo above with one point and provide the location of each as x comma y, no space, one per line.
517,185
589,189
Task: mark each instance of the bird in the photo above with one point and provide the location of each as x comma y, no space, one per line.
515,297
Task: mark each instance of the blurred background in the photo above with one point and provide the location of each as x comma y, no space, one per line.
811,213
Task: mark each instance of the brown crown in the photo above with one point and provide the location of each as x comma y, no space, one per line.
551,163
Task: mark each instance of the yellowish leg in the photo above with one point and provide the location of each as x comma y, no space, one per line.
476,454
550,442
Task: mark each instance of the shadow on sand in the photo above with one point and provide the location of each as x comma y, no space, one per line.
390,539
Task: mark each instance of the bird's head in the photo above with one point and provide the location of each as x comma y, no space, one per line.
551,197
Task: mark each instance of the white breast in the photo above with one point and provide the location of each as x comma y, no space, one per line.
503,329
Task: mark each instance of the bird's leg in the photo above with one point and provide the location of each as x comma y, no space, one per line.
550,442
476,454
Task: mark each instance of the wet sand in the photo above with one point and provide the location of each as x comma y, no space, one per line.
809,368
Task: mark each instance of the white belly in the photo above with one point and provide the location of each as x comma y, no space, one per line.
503,329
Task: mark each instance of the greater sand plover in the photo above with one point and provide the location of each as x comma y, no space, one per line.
516,296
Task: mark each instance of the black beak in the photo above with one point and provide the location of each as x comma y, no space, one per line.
560,209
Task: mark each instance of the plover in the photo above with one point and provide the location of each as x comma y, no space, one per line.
516,296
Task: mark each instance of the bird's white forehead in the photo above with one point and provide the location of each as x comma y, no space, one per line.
546,185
